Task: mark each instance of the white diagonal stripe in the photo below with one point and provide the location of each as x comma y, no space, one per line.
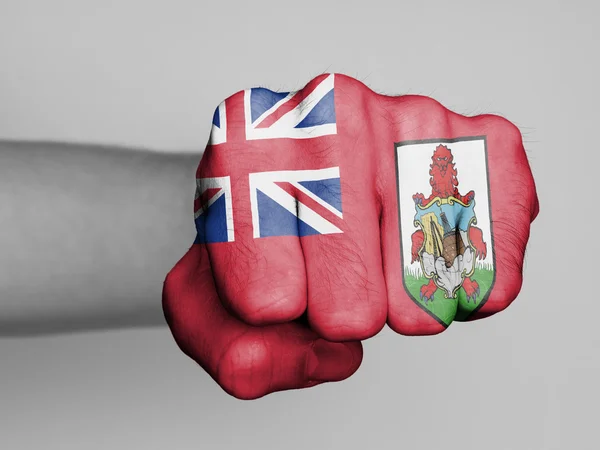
297,115
287,202
317,199
224,183
213,199
305,214
284,127
271,109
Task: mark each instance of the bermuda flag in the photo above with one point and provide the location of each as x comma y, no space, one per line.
301,114
212,210
296,202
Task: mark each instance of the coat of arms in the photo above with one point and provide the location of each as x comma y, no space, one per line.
448,268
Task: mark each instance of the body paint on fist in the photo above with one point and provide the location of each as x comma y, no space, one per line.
350,209
304,230
341,208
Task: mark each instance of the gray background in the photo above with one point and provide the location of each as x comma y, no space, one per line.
149,73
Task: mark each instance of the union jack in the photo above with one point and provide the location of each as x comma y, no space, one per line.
301,114
292,202
296,202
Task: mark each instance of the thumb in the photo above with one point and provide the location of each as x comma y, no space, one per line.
281,357
247,361
333,361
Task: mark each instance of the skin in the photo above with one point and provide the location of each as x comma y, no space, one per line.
248,362
349,284
89,233
344,286
259,315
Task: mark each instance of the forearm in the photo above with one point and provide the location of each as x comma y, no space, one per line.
88,234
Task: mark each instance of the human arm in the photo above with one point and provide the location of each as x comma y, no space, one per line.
88,233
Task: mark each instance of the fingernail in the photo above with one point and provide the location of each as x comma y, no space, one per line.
329,361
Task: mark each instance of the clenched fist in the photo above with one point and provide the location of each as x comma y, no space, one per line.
323,214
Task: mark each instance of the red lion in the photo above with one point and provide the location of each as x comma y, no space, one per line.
444,184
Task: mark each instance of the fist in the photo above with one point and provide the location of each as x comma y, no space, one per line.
247,362
311,205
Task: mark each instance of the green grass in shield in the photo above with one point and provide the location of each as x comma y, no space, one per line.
448,309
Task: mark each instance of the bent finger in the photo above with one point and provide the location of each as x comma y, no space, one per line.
248,362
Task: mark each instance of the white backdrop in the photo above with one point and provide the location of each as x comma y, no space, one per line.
150,73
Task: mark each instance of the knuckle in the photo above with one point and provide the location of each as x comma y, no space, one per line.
434,109
511,255
347,302
356,323
497,125
433,113
173,289
276,307
502,297
167,295
510,132
179,318
414,324
265,294
244,369
340,330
